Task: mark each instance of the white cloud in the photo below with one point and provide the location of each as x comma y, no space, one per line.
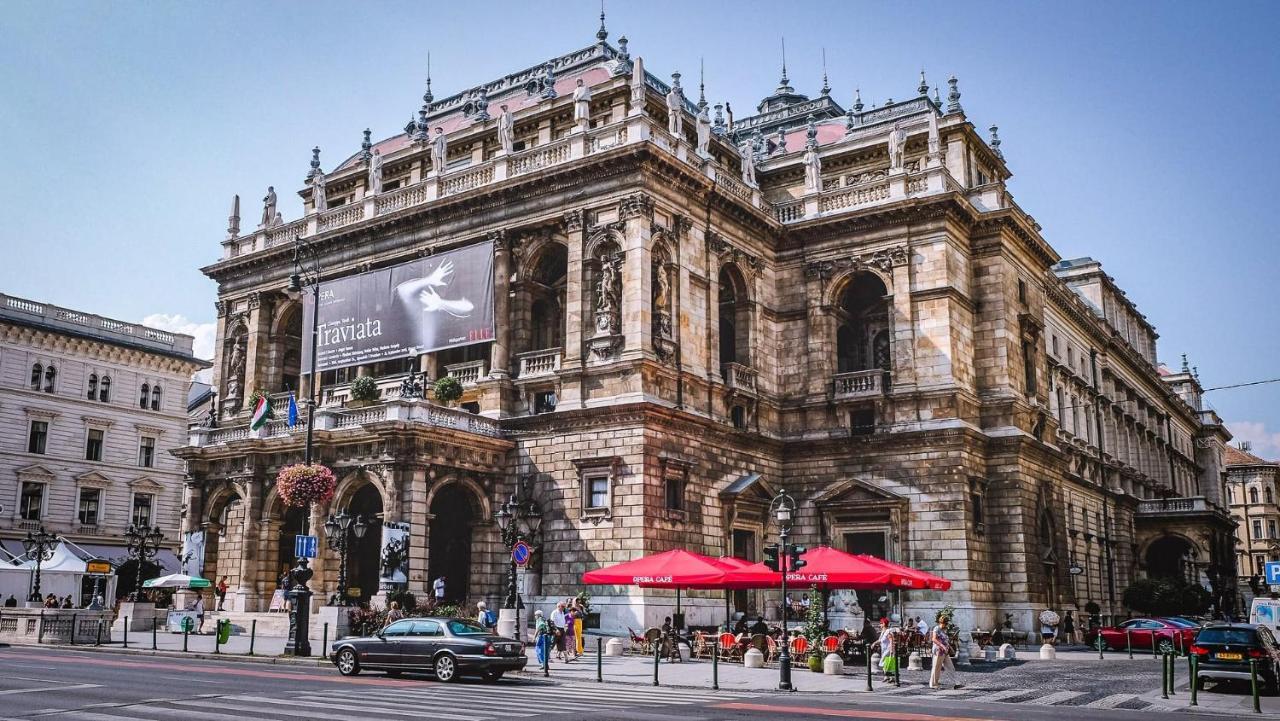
1265,443
204,333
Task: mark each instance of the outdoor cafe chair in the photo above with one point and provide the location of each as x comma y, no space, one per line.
831,644
799,647
729,649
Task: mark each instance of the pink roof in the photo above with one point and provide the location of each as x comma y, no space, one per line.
515,100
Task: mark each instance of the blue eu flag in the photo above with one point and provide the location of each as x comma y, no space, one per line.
293,411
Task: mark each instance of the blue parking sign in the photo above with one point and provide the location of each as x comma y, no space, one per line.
1272,569
305,546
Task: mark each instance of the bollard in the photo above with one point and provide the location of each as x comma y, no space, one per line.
324,640
217,636
186,632
126,632
1128,641
98,639
153,635
867,651
657,653
897,667
1253,680
1100,642
73,629
1153,644
1172,660
40,633
253,635
599,659
1193,663
1164,677
715,666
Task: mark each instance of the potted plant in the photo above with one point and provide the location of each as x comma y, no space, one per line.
592,618
446,389
815,627
301,485
364,392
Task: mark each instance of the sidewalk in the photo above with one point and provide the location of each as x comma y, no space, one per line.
1232,699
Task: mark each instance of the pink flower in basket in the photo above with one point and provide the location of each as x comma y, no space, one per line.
301,485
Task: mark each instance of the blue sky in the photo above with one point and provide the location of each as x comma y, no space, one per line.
1143,134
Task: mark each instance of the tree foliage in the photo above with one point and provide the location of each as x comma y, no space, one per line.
1166,597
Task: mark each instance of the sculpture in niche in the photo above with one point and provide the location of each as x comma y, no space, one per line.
661,297
235,373
608,294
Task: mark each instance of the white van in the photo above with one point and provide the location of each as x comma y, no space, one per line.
1265,612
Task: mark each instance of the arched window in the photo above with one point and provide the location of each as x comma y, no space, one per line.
1267,492
735,317
862,333
155,397
50,378
547,293
1253,495
104,389
93,386
144,396
37,375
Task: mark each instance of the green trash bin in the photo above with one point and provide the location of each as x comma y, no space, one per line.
224,630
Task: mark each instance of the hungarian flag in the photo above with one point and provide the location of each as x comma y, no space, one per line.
261,412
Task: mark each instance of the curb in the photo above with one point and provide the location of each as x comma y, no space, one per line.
313,662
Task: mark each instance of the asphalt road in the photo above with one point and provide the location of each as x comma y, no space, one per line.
62,684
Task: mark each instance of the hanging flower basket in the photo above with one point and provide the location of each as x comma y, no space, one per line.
301,485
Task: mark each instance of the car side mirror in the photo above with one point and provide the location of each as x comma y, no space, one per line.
381,635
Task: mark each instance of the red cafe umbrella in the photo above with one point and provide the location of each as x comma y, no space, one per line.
825,568
673,569
922,578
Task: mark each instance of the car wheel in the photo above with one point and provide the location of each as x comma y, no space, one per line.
1166,646
446,668
492,676
348,663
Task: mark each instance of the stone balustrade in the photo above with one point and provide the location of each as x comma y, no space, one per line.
527,161
539,362
54,625
469,373
739,377
1173,506
858,384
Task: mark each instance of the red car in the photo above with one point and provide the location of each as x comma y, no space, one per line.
1168,635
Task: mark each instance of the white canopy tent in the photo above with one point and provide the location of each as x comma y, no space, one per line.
62,575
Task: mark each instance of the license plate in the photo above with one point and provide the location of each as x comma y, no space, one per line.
1230,657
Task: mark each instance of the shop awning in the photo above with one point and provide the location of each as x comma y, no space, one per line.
923,578
825,568
672,569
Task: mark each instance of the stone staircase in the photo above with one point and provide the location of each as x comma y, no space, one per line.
269,624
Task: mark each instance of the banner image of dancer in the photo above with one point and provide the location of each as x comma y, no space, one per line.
443,301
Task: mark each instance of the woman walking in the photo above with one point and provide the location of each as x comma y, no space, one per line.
888,651
570,630
542,637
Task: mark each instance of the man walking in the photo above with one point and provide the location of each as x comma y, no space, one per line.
942,656
438,588
486,618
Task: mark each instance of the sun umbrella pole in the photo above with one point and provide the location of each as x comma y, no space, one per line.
679,622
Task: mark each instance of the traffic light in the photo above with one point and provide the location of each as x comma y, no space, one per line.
771,557
795,563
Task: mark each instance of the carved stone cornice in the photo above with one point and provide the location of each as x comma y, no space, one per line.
221,307
884,260
683,224
573,220
254,300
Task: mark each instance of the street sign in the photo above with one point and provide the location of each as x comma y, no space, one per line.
522,580
305,546
1075,570
1272,569
98,568
521,553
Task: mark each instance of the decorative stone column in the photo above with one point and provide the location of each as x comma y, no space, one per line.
258,368
636,212
500,357
902,323
576,308
250,549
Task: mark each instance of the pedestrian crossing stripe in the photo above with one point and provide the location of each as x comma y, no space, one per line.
1027,696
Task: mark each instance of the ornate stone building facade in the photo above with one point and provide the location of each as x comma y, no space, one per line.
88,408
1252,485
694,312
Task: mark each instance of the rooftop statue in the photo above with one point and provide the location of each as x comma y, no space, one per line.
439,151
897,146
375,172
269,207
812,169
318,198
582,105
748,163
675,108
704,131
506,131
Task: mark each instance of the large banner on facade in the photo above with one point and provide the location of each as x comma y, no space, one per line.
394,572
439,302
193,554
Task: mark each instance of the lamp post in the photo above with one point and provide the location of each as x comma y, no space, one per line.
143,542
39,546
338,531
518,519
310,277
783,508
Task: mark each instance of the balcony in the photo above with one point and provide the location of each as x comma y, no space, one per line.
539,363
339,394
859,384
1175,506
739,377
469,373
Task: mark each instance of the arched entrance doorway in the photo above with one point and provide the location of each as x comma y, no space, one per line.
292,526
1170,557
363,568
453,514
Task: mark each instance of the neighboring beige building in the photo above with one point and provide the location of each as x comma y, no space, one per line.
1252,487
89,407
862,316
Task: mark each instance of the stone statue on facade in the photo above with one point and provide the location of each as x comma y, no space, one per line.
704,131
748,163
607,297
897,146
375,173
812,169
318,198
675,111
582,105
235,373
439,151
661,300
780,143
506,131
268,207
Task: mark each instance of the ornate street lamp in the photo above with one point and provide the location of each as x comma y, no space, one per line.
143,543
519,519
39,546
338,531
783,509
